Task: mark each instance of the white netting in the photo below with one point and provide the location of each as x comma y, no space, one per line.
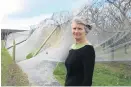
110,36
19,37
105,38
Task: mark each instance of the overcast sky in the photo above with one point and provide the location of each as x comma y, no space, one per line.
20,14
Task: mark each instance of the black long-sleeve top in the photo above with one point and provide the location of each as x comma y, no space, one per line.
80,66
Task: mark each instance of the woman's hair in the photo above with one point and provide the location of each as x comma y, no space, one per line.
84,21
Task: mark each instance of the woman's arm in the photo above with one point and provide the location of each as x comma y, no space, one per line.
88,63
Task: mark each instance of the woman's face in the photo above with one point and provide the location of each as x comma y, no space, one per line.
78,31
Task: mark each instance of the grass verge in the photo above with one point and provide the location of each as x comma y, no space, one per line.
11,74
105,74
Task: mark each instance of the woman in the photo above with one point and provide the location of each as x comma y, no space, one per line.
81,58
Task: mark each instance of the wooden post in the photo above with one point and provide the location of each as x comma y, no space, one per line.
45,42
14,50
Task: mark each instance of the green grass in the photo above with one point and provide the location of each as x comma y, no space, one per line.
105,74
30,55
11,74
2,43
59,73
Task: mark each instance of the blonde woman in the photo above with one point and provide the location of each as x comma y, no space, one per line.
81,58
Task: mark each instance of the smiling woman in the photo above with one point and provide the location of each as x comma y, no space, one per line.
81,56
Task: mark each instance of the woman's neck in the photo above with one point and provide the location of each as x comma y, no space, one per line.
81,41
